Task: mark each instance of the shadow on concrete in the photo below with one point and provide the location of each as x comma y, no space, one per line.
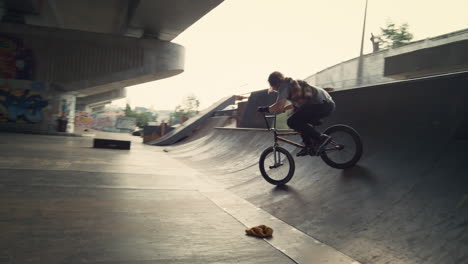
289,191
359,173
283,189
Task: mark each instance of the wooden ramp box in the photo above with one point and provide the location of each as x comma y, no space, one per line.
111,143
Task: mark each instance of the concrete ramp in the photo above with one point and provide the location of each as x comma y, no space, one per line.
402,203
192,124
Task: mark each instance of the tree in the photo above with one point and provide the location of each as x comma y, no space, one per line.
142,119
393,36
128,110
187,109
191,104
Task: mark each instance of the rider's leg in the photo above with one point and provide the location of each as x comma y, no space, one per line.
300,121
308,149
327,109
306,114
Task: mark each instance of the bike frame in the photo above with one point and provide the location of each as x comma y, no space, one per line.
280,136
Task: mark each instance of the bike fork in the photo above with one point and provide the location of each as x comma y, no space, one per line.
276,155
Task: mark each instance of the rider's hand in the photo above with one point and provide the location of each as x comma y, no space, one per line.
263,109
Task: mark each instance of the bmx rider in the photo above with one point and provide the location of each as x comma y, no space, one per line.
309,104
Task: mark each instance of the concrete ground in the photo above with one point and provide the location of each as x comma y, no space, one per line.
66,202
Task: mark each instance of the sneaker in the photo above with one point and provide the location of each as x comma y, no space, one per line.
312,149
324,140
303,152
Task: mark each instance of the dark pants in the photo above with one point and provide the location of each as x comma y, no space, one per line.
305,116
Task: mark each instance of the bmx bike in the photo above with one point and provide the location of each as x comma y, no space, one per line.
277,165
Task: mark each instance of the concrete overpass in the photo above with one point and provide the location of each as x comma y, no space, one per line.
69,54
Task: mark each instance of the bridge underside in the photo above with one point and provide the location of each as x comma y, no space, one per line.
70,54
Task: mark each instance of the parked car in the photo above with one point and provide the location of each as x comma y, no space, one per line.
137,132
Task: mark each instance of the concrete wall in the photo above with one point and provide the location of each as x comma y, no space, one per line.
445,58
107,122
344,75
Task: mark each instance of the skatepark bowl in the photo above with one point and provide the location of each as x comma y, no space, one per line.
404,202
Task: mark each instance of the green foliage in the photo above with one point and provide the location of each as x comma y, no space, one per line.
142,119
190,104
188,108
174,117
128,111
393,36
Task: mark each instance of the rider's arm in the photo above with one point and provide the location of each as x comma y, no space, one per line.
288,107
278,107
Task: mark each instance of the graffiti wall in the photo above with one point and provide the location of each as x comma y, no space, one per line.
27,105
84,119
126,123
23,101
105,122
109,121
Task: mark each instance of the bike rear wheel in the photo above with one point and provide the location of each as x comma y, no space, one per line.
279,170
345,148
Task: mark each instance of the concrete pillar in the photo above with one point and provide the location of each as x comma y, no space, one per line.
67,111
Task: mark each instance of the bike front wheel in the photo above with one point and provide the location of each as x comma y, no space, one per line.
277,165
345,148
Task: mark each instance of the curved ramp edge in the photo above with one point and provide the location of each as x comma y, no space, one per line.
398,205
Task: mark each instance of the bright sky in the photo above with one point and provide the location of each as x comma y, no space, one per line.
233,48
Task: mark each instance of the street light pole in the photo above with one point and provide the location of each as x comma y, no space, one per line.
360,61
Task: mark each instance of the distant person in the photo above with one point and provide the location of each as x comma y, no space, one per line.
375,43
309,103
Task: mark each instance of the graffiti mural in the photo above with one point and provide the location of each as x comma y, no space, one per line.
113,122
20,101
126,123
16,61
18,105
105,123
84,119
